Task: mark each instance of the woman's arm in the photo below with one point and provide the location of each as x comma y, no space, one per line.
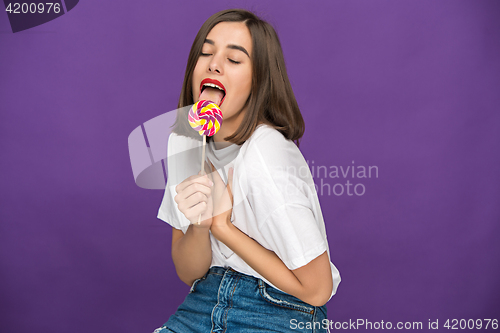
311,283
191,253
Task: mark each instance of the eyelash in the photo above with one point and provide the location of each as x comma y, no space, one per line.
231,60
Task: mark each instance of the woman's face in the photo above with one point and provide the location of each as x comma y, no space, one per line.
225,62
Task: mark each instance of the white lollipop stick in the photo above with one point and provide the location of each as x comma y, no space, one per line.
202,166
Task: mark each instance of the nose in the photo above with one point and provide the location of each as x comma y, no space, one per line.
215,66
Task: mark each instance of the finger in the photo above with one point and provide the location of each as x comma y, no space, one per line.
203,180
196,211
191,190
193,200
197,187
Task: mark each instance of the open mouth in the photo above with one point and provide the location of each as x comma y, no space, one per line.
212,90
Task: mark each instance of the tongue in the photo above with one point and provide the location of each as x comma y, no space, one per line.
212,94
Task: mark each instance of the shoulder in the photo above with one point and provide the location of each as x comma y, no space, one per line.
272,146
265,131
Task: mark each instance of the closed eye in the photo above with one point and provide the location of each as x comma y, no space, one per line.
234,61
204,54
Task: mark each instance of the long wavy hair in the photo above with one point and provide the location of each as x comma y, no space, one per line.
271,100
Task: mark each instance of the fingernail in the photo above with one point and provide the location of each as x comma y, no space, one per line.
211,183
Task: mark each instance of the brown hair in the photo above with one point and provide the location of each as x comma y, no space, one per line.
271,100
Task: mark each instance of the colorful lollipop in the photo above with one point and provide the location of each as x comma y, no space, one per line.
206,118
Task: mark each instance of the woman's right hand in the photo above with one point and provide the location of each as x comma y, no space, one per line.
194,198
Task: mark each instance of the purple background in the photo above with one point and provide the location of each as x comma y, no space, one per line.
412,87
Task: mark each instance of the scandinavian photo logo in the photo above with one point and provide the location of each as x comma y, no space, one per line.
336,180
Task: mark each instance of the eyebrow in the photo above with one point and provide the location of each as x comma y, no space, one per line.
230,46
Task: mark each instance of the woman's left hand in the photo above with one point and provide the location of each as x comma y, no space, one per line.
222,198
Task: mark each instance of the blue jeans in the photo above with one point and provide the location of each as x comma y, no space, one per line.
225,300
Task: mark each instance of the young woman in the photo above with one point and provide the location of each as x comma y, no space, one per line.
259,260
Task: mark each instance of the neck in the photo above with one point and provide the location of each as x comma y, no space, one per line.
228,128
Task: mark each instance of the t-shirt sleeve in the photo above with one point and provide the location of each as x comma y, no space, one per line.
292,233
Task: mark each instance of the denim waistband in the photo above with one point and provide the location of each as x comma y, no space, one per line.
220,270
227,270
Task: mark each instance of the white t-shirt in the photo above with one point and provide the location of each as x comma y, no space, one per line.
274,198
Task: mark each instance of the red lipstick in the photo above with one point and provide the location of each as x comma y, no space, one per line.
214,82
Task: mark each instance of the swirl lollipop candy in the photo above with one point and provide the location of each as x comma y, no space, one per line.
206,118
